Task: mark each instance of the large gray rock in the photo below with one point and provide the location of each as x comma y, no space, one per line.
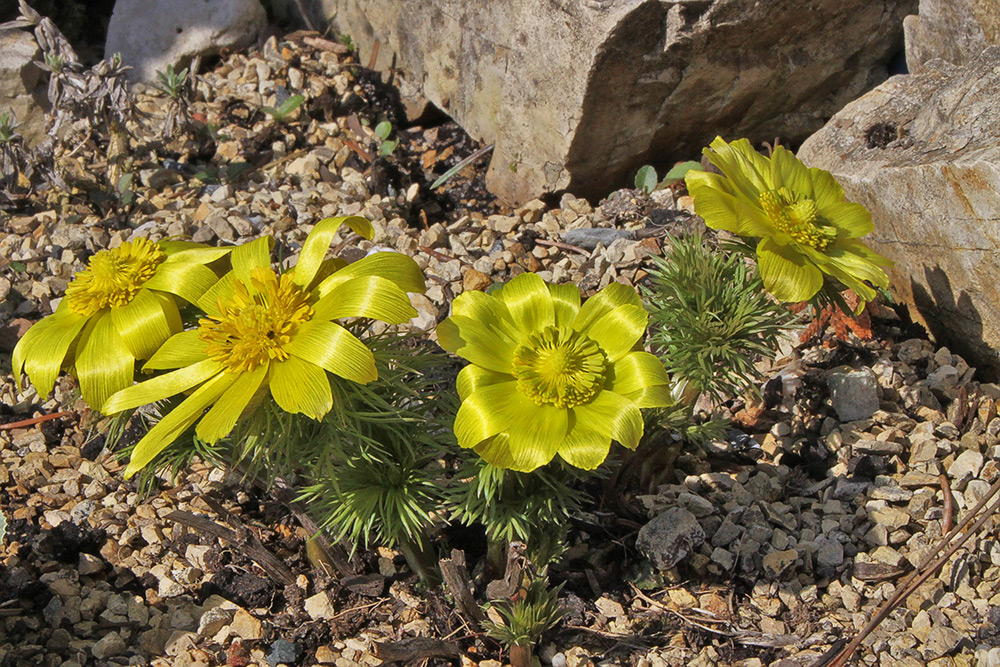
577,94
953,30
151,34
670,537
21,88
922,152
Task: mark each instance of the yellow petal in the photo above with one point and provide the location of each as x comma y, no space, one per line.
175,422
612,415
161,386
529,303
851,220
609,298
713,200
222,290
394,266
585,449
183,349
489,310
619,330
42,349
104,364
474,377
637,372
787,274
146,322
329,345
534,437
249,256
189,252
487,411
318,243
826,189
220,420
478,342
187,280
367,296
748,171
301,387
566,302
789,172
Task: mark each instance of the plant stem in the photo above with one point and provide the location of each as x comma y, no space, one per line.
421,562
520,655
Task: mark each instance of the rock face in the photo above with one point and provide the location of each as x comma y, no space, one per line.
577,94
953,30
151,34
922,152
20,86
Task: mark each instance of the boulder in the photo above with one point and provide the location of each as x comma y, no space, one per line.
668,538
21,88
577,94
922,152
151,34
953,30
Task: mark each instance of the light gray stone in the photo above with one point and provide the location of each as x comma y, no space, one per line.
966,466
829,552
854,393
577,94
953,30
670,537
941,641
151,34
930,181
108,646
589,238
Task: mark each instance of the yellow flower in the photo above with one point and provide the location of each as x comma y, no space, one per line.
265,331
549,376
119,309
806,228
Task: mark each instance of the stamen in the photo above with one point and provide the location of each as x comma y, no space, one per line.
253,328
798,217
113,277
559,367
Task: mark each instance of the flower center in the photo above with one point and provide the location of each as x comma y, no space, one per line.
798,217
113,277
253,328
559,367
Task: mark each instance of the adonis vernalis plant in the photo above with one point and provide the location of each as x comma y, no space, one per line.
808,232
119,309
265,331
551,377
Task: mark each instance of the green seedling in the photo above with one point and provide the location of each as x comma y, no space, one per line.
285,109
382,131
646,179
171,82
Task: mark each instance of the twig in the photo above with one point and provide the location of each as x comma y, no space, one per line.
244,539
456,580
31,422
564,246
460,166
948,500
440,256
417,648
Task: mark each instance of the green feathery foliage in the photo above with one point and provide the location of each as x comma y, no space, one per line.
533,508
711,318
534,612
